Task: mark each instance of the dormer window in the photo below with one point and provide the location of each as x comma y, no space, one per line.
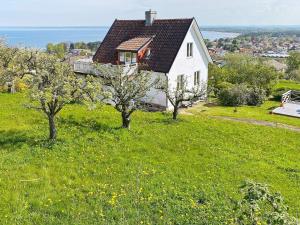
131,50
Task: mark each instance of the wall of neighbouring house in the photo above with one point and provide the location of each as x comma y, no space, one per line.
188,66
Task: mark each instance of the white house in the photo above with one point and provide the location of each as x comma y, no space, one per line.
172,48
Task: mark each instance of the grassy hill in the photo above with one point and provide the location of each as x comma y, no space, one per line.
159,172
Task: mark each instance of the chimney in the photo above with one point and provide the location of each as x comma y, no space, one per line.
150,17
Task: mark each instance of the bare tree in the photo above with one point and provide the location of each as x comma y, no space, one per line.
181,94
127,86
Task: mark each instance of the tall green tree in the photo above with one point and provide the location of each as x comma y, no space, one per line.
293,62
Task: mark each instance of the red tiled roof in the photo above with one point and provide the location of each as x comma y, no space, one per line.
168,36
134,44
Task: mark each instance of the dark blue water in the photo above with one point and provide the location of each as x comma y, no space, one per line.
39,37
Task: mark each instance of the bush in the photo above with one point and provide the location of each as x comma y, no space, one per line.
222,86
235,96
294,75
256,96
260,206
20,85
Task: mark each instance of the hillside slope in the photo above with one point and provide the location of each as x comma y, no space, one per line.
159,172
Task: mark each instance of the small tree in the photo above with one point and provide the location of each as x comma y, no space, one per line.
260,206
127,87
181,93
54,85
7,66
14,64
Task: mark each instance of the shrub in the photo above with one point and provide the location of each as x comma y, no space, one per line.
260,206
20,85
294,75
235,96
256,96
222,86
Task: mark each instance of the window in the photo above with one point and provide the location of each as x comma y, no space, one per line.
127,57
180,82
133,59
197,78
189,49
122,57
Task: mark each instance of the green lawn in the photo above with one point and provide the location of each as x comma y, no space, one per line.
288,84
159,172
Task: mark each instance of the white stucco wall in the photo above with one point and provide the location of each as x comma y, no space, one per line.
187,66
156,96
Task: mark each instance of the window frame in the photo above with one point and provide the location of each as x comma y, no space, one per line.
190,49
122,56
133,54
180,81
126,57
197,78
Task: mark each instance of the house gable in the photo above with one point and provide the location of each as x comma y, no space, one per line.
184,65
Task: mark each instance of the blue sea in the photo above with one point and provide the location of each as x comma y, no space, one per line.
39,37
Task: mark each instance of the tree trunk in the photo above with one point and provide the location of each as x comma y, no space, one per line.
125,120
175,112
52,128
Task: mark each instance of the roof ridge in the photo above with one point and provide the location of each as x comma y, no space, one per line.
140,20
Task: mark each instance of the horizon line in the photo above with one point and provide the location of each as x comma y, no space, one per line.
77,26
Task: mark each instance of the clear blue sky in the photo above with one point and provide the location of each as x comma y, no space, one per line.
103,12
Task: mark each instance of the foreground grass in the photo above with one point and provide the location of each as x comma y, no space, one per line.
160,172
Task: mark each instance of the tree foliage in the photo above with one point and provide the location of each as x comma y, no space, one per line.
243,70
15,63
59,50
54,84
293,62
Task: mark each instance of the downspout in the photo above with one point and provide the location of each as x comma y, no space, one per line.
167,101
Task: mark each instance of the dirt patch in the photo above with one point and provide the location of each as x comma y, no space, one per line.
259,122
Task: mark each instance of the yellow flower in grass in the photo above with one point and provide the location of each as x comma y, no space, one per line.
113,199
